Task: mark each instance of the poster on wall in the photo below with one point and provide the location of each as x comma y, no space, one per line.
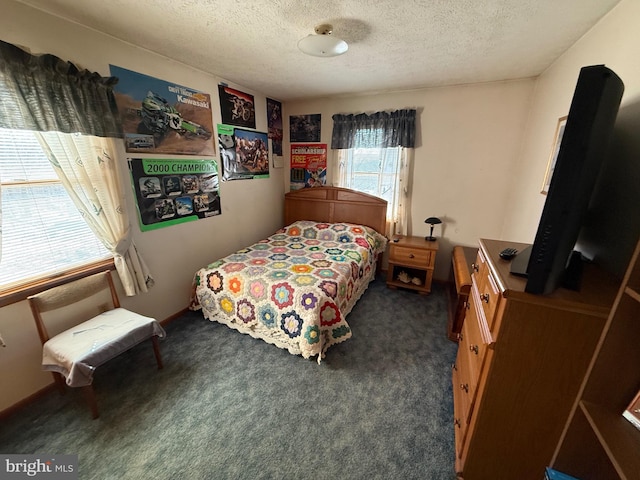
170,192
308,165
274,122
236,107
304,128
244,153
162,117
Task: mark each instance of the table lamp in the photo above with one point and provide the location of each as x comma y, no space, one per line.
432,221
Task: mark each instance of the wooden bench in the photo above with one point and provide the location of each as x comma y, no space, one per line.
460,281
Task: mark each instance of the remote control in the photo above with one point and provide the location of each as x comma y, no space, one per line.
508,253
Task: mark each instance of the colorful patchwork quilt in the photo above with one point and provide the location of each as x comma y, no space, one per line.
295,288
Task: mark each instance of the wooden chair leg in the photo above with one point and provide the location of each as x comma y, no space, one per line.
59,379
156,351
91,399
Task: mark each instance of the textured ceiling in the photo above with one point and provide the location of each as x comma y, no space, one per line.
393,45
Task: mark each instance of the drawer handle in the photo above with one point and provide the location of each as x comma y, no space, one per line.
465,387
474,267
454,367
474,349
484,297
467,305
411,255
459,337
457,422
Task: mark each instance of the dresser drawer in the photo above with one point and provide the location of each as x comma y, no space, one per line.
463,384
472,342
465,377
411,256
464,394
488,292
460,407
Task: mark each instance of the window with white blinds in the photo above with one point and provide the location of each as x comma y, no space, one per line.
42,231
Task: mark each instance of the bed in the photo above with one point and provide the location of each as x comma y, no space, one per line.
295,288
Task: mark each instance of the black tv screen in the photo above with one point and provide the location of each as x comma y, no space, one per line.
581,154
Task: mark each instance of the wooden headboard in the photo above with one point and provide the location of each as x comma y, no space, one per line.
335,205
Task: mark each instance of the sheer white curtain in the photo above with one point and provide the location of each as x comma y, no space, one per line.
403,210
88,168
394,162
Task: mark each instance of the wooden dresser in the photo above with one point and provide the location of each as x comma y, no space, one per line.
521,359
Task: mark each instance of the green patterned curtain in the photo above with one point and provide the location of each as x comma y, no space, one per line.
378,130
44,93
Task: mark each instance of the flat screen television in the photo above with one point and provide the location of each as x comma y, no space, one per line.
550,261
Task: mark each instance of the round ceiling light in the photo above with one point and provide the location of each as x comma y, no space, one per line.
323,44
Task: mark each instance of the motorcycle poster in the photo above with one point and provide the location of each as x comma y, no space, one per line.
308,165
274,122
236,107
162,117
244,153
170,192
304,128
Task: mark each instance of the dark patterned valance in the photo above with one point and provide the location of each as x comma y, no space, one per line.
44,93
380,129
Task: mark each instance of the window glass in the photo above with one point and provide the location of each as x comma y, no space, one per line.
42,231
374,171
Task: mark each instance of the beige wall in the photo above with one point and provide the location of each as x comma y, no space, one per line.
251,209
468,144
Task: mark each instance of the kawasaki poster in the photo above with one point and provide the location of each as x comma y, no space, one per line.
162,117
170,192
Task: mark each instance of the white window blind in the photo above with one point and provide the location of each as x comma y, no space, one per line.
42,231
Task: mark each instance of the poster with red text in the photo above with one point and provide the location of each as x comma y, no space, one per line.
308,165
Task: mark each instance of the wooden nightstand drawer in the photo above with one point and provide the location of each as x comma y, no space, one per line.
411,256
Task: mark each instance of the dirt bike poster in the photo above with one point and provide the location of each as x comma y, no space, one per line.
244,153
304,128
274,122
236,107
162,117
173,191
308,165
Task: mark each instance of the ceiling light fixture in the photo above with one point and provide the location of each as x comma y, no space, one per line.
323,44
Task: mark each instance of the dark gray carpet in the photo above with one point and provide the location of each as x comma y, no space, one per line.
227,406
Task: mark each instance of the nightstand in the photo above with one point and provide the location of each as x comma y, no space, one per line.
411,263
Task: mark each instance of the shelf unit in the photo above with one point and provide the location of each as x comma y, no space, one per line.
598,443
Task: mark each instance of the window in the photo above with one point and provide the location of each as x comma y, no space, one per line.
42,231
377,171
374,171
374,155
